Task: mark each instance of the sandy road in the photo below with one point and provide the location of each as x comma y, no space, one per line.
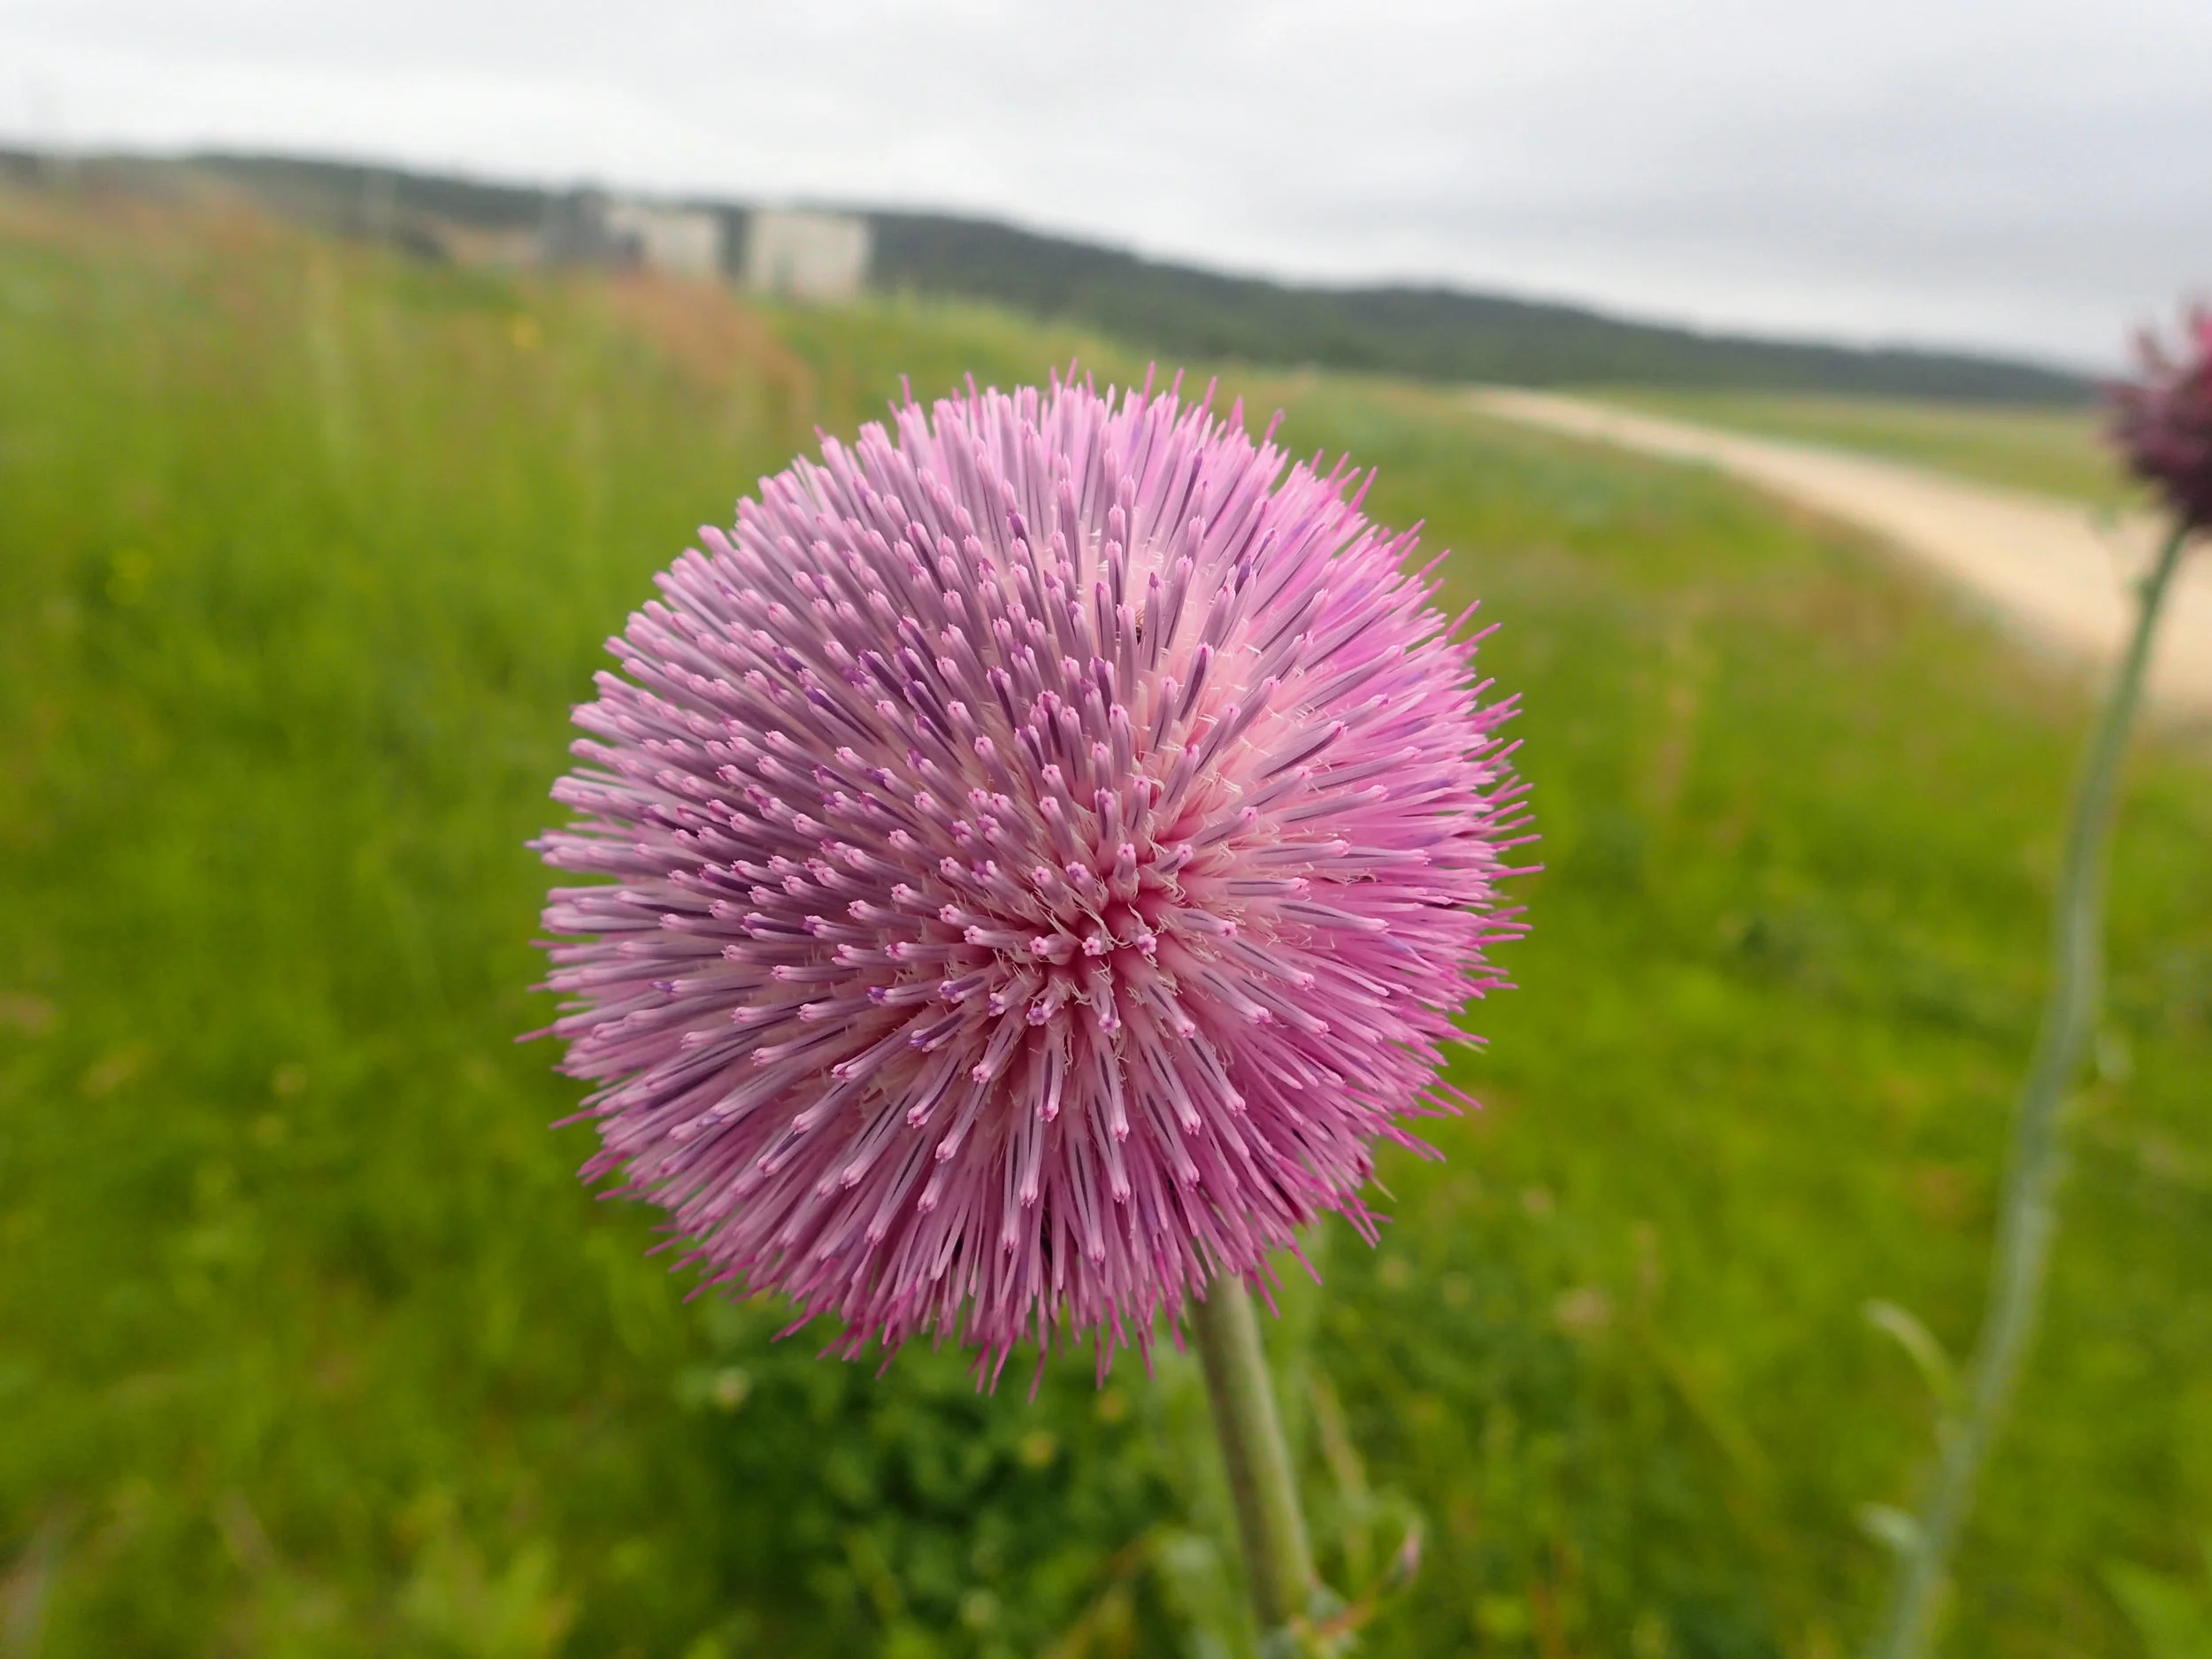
2053,572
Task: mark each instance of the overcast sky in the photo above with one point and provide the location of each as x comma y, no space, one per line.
2031,175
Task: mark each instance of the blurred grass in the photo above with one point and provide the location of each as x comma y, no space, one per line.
2050,451
310,1344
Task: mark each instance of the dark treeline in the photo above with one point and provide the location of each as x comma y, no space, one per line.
1428,333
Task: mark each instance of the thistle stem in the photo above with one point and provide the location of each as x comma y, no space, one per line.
2029,1217
1277,1562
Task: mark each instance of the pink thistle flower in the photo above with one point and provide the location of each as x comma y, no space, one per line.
1049,841
2163,421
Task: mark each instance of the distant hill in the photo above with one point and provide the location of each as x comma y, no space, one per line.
1429,333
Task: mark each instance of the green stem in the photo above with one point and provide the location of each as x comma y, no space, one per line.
2029,1217
1277,1563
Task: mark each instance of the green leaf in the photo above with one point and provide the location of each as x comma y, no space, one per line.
1920,1345
1886,1525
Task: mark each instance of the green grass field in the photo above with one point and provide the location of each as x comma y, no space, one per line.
310,1344
2050,451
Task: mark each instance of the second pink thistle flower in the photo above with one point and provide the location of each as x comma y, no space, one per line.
2161,422
1047,845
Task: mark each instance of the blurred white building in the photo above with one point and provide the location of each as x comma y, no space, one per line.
676,240
806,256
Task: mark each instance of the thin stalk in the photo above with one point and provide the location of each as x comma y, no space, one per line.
1277,1562
2029,1215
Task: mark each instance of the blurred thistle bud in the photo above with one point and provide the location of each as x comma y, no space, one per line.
2162,421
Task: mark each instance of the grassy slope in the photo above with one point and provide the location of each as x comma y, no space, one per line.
308,1344
2051,451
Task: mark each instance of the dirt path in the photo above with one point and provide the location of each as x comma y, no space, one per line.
2053,572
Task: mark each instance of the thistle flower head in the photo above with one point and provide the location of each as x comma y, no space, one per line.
2162,421
1043,850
